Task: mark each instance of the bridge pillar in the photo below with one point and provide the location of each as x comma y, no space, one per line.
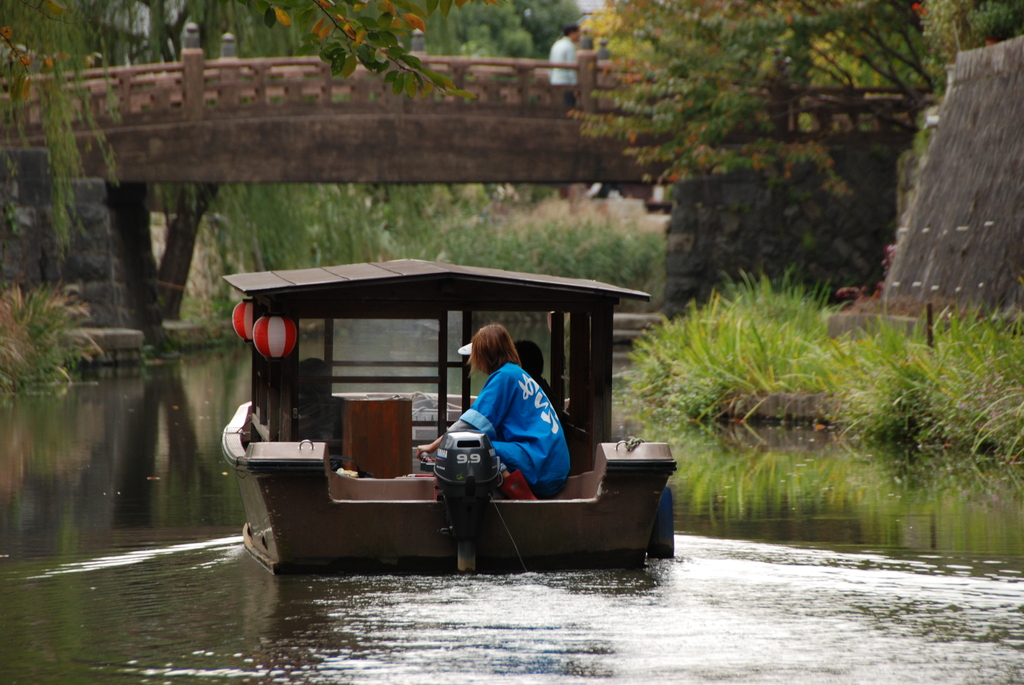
127,201
586,61
193,83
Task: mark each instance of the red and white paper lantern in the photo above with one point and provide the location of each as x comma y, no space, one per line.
241,319
274,336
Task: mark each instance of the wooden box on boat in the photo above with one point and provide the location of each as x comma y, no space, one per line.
378,435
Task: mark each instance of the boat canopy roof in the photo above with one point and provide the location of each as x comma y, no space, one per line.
398,277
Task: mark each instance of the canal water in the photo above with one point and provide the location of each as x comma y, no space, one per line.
798,560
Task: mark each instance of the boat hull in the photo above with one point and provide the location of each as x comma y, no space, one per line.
303,519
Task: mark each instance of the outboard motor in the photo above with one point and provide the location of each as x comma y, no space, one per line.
466,470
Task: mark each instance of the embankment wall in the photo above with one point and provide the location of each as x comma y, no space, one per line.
749,222
961,240
107,271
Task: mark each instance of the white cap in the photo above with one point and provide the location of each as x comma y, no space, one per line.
466,350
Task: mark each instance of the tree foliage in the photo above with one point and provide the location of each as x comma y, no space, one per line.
150,31
516,28
702,74
43,48
46,44
374,34
954,25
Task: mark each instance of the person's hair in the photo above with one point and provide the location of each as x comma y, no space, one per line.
569,28
492,349
531,358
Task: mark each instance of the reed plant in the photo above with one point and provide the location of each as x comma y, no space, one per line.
963,395
35,345
752,339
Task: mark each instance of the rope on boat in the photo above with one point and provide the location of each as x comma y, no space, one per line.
514,545
631,443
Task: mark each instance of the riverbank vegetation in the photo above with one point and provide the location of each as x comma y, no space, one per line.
35,342
963,395
521,228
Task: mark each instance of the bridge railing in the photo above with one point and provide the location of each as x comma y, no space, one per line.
196,88
815,110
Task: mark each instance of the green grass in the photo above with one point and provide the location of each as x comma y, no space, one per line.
34,344
964,396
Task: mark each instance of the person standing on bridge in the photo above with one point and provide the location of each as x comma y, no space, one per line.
564,50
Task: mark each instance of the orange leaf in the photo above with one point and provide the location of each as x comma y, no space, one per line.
6,32
415,21
325,31
282,17
25,60
388,8
317,26
349,31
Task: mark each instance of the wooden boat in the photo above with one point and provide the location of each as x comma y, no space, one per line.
324,497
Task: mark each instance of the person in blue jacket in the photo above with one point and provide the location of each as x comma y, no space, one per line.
515,414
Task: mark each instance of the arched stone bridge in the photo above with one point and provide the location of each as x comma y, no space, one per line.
289,120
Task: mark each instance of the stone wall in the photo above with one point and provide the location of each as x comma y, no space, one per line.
962,239
747,222
93,264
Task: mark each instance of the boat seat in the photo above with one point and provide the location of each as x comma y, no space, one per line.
583,485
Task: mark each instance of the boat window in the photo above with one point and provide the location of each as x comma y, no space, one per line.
397,355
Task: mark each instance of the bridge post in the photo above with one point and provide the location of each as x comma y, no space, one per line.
227,77
586,64
781,111
193,82
227,46
419,42
524,73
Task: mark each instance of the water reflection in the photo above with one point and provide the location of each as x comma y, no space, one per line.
805,486
120,562
722,610
118,458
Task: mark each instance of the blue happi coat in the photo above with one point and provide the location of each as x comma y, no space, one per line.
522,425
